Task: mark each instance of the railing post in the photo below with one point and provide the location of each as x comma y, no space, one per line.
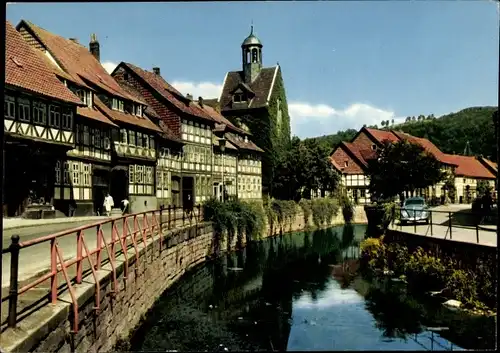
430,215
183,216
161,217
99,248
79,255
199,213
113,241
53,269
449,223
415,221
14,272
477,233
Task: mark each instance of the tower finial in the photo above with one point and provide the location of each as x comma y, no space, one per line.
251,28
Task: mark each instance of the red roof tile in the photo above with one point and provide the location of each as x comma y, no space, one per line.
219,118
426,144
471,167
242,144
125,117
78,61
492,165
381,135
94,114
168,92
24,68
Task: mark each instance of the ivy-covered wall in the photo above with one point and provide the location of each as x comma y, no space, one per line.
262,124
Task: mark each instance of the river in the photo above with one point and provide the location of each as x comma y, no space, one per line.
292,293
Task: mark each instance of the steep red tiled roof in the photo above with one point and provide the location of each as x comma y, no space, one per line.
491,165
168,92
356,151
426,144
24,68
261,86
125,117
78,61
241,144
469,166
219,118
381,135
94,114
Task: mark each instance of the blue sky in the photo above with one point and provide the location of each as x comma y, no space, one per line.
344,63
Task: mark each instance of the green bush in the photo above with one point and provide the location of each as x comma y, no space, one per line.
306,206
347,207
425,271
323,210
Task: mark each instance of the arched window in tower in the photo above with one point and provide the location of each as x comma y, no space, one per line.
248,56
260,55
255,57
279,115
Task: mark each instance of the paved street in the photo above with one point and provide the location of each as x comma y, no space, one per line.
459,232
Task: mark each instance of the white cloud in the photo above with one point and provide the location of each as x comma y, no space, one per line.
307,120
109,66
207,90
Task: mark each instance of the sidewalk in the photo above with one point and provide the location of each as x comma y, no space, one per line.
13,223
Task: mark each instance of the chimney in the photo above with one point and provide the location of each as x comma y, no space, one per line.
156,71
94,47
189,96
200,101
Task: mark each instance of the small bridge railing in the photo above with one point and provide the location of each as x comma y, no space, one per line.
134,229
425,221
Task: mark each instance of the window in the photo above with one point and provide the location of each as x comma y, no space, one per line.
139,110
139,174
131,138
120,105
39,113
67,118
54,116
139,139
131,174
10,107
123,136
346,163
66,175
107,141
86,135
239,97
374,147
23,109
114,104
159,182
255,56
86,175
146,142
76,173
149,176
57,171
97,138
82,95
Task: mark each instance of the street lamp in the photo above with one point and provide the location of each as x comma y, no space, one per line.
222,146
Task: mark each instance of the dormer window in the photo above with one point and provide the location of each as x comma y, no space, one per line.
346,163
138,111
85,96
374,147
239,97
117,104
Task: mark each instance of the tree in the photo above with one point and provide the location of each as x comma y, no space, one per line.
392,122
382,123
408,119
402,166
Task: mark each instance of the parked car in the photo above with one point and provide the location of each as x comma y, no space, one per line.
414,210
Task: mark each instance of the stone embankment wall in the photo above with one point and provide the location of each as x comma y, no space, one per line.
140,282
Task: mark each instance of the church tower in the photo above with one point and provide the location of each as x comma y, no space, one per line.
251,50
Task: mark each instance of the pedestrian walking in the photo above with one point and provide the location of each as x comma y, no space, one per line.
125,204
108,204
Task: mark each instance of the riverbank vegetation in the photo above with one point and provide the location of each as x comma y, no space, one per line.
249,218
423,272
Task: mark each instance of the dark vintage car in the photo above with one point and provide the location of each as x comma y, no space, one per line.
414,210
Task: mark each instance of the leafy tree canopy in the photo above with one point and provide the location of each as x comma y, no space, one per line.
402,166
304,167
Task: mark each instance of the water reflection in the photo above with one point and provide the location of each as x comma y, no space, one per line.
297,291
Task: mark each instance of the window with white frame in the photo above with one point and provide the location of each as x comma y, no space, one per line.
131,138
10,107
67,118
86,135
86,174
114,104
139,139
39,113
121,105
98,138
23,109
66,174
123,136
131,174
76,173
107,140
54,115
138,112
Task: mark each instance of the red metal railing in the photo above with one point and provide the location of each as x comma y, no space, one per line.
146,225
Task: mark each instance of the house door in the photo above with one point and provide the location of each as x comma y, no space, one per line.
118,186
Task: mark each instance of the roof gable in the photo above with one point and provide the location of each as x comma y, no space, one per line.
25,68
166,91
262,87
77,60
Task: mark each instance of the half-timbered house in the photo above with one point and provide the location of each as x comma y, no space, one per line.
121,135
39,113
186,121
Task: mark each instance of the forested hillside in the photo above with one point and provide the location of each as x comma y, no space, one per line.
449,132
